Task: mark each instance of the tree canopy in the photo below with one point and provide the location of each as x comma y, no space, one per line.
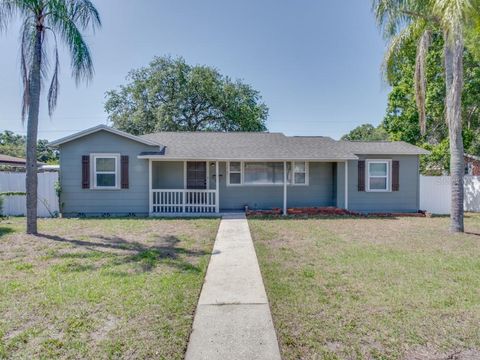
170,95
366,132
14,145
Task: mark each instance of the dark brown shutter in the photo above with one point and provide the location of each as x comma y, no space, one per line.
395,175
124,172
85,172
361,175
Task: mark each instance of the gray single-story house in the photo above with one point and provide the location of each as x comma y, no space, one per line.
104,171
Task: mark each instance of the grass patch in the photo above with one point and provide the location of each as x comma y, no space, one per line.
101,288
347,288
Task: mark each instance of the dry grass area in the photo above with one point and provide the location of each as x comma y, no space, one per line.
101,288
366,288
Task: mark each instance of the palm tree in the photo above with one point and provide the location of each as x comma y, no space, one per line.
41,20
402,20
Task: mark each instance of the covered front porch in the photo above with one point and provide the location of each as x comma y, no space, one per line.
178,187
210,187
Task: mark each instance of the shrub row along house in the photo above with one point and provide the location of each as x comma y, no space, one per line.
105,171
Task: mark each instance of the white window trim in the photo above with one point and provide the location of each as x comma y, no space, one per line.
93,168
235,172
290,183
388,176
259,184
307,174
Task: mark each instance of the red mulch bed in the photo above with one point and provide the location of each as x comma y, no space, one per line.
328,211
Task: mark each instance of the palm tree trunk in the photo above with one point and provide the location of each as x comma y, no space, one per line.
32,130
454,86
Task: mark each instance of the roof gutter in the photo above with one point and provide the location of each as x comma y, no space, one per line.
163,158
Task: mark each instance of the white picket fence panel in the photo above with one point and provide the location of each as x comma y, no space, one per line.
435,194
16,205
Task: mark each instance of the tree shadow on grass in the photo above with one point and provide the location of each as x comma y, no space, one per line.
167,252
5,230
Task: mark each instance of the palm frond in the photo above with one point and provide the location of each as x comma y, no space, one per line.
10,8
7,12
388,16
393,16
66,19
84,13
421,78
452,13
26,55
54,85
397,42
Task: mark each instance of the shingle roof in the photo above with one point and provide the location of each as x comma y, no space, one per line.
242,145
381,147
12,160
268,146
252,146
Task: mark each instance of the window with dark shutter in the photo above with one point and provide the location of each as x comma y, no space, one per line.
85,172
361,175
395,175
124,171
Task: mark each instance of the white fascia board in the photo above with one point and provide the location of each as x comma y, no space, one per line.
102,128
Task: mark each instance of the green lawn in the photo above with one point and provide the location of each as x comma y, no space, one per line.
363,288
101,288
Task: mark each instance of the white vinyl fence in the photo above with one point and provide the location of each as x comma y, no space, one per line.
435,194
16,205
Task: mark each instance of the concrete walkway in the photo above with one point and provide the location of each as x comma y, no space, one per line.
233,319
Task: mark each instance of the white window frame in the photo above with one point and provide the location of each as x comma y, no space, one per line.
307,177
388,176
235,172
93,161
289,183
260,161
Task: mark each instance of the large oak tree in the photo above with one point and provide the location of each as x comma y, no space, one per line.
170,95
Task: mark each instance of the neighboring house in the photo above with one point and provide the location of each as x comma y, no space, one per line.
472,165
104,171
13,163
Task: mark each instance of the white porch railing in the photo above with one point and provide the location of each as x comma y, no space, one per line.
183,201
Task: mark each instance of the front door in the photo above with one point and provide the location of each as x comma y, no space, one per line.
196,175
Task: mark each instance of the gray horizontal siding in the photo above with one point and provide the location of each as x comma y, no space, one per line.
77,200
404,200
167,175
340,185
319,192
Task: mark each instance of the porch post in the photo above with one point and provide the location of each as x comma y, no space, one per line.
150,190
184,175
346,184
284,188
184,193
217,190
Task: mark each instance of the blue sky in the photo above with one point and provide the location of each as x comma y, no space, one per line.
315,62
